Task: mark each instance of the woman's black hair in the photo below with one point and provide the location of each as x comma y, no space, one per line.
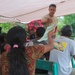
16,56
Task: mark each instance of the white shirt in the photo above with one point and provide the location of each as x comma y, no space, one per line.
63,58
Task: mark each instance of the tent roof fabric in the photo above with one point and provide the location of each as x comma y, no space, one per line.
28,10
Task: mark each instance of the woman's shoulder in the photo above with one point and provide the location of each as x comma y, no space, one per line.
34,47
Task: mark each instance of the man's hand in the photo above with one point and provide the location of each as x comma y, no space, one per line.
49,20
46,20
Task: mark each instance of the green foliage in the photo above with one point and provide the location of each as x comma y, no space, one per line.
73,26
60,22
5,27
20,24
69,19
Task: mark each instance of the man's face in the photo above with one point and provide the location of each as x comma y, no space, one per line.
52,10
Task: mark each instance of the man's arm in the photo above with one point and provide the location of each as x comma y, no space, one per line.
46,20
50,44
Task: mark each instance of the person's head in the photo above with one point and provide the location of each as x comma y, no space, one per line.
66,31
16,35
40,31
16,38
52,9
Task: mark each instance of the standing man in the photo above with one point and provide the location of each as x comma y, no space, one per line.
50,19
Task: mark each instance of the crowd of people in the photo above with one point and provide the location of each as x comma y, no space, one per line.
18,57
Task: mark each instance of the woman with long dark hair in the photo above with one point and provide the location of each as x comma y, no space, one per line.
19,60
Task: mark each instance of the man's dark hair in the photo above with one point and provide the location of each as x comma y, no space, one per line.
40,31
52,5
66,31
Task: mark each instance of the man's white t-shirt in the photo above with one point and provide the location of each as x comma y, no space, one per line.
63,58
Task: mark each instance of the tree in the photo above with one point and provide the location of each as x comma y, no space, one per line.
5,27
69,19
61,22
